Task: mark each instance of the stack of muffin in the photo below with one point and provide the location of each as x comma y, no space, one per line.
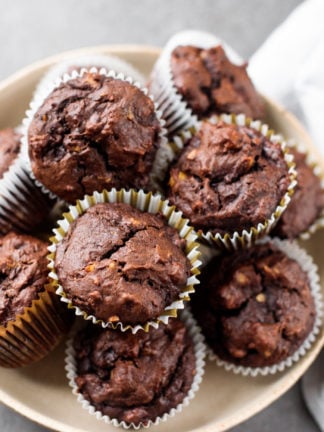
150,174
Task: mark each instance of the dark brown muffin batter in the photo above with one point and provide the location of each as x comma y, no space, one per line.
9,148
92,133
228,178
23,273
306,204
255,306
135,378
211,84
120,264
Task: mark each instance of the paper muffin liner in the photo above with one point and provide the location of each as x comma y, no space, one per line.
22,203
35,332
146,202
176,112
236,240
311,162
45,91
108,62
200,352
295,252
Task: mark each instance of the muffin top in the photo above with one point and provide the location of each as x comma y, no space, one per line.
91,133
255,306
23,273
306,204
128,265
211,84
228,178
135,378
9,148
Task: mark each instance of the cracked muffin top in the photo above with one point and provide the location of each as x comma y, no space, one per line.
228,178
255,306
211,84
120,264
23,273
306,204
135,378
91,133
9,148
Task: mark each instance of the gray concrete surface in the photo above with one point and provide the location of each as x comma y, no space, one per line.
30,30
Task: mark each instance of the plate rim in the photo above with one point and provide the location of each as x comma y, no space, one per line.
269,397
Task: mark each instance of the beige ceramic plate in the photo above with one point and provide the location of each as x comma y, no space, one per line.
41,393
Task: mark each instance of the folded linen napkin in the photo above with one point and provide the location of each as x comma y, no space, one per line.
289,66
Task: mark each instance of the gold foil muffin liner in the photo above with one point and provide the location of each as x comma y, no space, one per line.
146,202
87,61
176,111
22,203
34,333
236,240
200,352
311,162
295,252
45,91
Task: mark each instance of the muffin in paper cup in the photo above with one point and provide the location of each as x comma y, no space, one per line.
305,261
34,333
22,203
145,202
199,354
32,320
87,61
74,152
245,237
305,214
176,111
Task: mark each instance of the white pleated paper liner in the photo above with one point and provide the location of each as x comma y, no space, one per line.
145,202
45,91
236,240
200,352
295,252
88,61
22,203
311,162
176,112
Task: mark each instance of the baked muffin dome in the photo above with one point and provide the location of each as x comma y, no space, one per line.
228,178
135,378
93,132
129,265
255,306
23,273
210,84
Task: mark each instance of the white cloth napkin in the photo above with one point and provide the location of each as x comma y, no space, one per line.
289,67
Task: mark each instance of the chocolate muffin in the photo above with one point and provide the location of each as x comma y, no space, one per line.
135,378
9,148
23,273
211,84
228,178
121,265
306,204
93,132
255,306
